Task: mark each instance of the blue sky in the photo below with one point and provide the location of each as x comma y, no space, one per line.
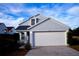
12,14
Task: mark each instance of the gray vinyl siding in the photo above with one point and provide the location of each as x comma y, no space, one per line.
50,25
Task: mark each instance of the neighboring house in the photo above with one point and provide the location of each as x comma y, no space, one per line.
43,31
6,30
2,28
10,30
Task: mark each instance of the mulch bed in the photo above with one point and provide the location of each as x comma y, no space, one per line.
19,52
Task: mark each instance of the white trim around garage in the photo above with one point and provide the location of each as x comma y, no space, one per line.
40,40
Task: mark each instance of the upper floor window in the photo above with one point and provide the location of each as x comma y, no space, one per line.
37,20
32,21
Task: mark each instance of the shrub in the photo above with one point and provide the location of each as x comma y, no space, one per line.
70,39
8,42
28,46
12,37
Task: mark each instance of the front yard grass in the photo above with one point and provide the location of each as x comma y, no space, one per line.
76,47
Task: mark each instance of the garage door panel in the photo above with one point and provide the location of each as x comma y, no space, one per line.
49,38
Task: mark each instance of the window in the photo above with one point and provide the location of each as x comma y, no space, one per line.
32,21
37,20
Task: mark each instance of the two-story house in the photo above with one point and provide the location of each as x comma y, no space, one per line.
40,30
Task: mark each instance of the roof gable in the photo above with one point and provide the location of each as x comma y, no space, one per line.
45,24
38,23
49,25
28,22
29,18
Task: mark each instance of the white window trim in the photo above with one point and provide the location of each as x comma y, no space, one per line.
31,21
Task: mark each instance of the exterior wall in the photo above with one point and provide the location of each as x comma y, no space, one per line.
50,38
49,25
2,28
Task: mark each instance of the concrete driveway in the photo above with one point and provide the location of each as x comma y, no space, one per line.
53,51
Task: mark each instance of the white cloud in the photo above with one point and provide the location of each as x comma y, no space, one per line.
1,14
70,19
74,11
32,11
43,10
11,22
72,22
15,10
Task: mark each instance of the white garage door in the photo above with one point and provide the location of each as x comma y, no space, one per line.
50,38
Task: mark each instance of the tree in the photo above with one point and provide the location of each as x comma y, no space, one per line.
76,31
69,37
70,34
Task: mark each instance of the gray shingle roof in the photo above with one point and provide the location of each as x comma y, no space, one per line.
22,27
